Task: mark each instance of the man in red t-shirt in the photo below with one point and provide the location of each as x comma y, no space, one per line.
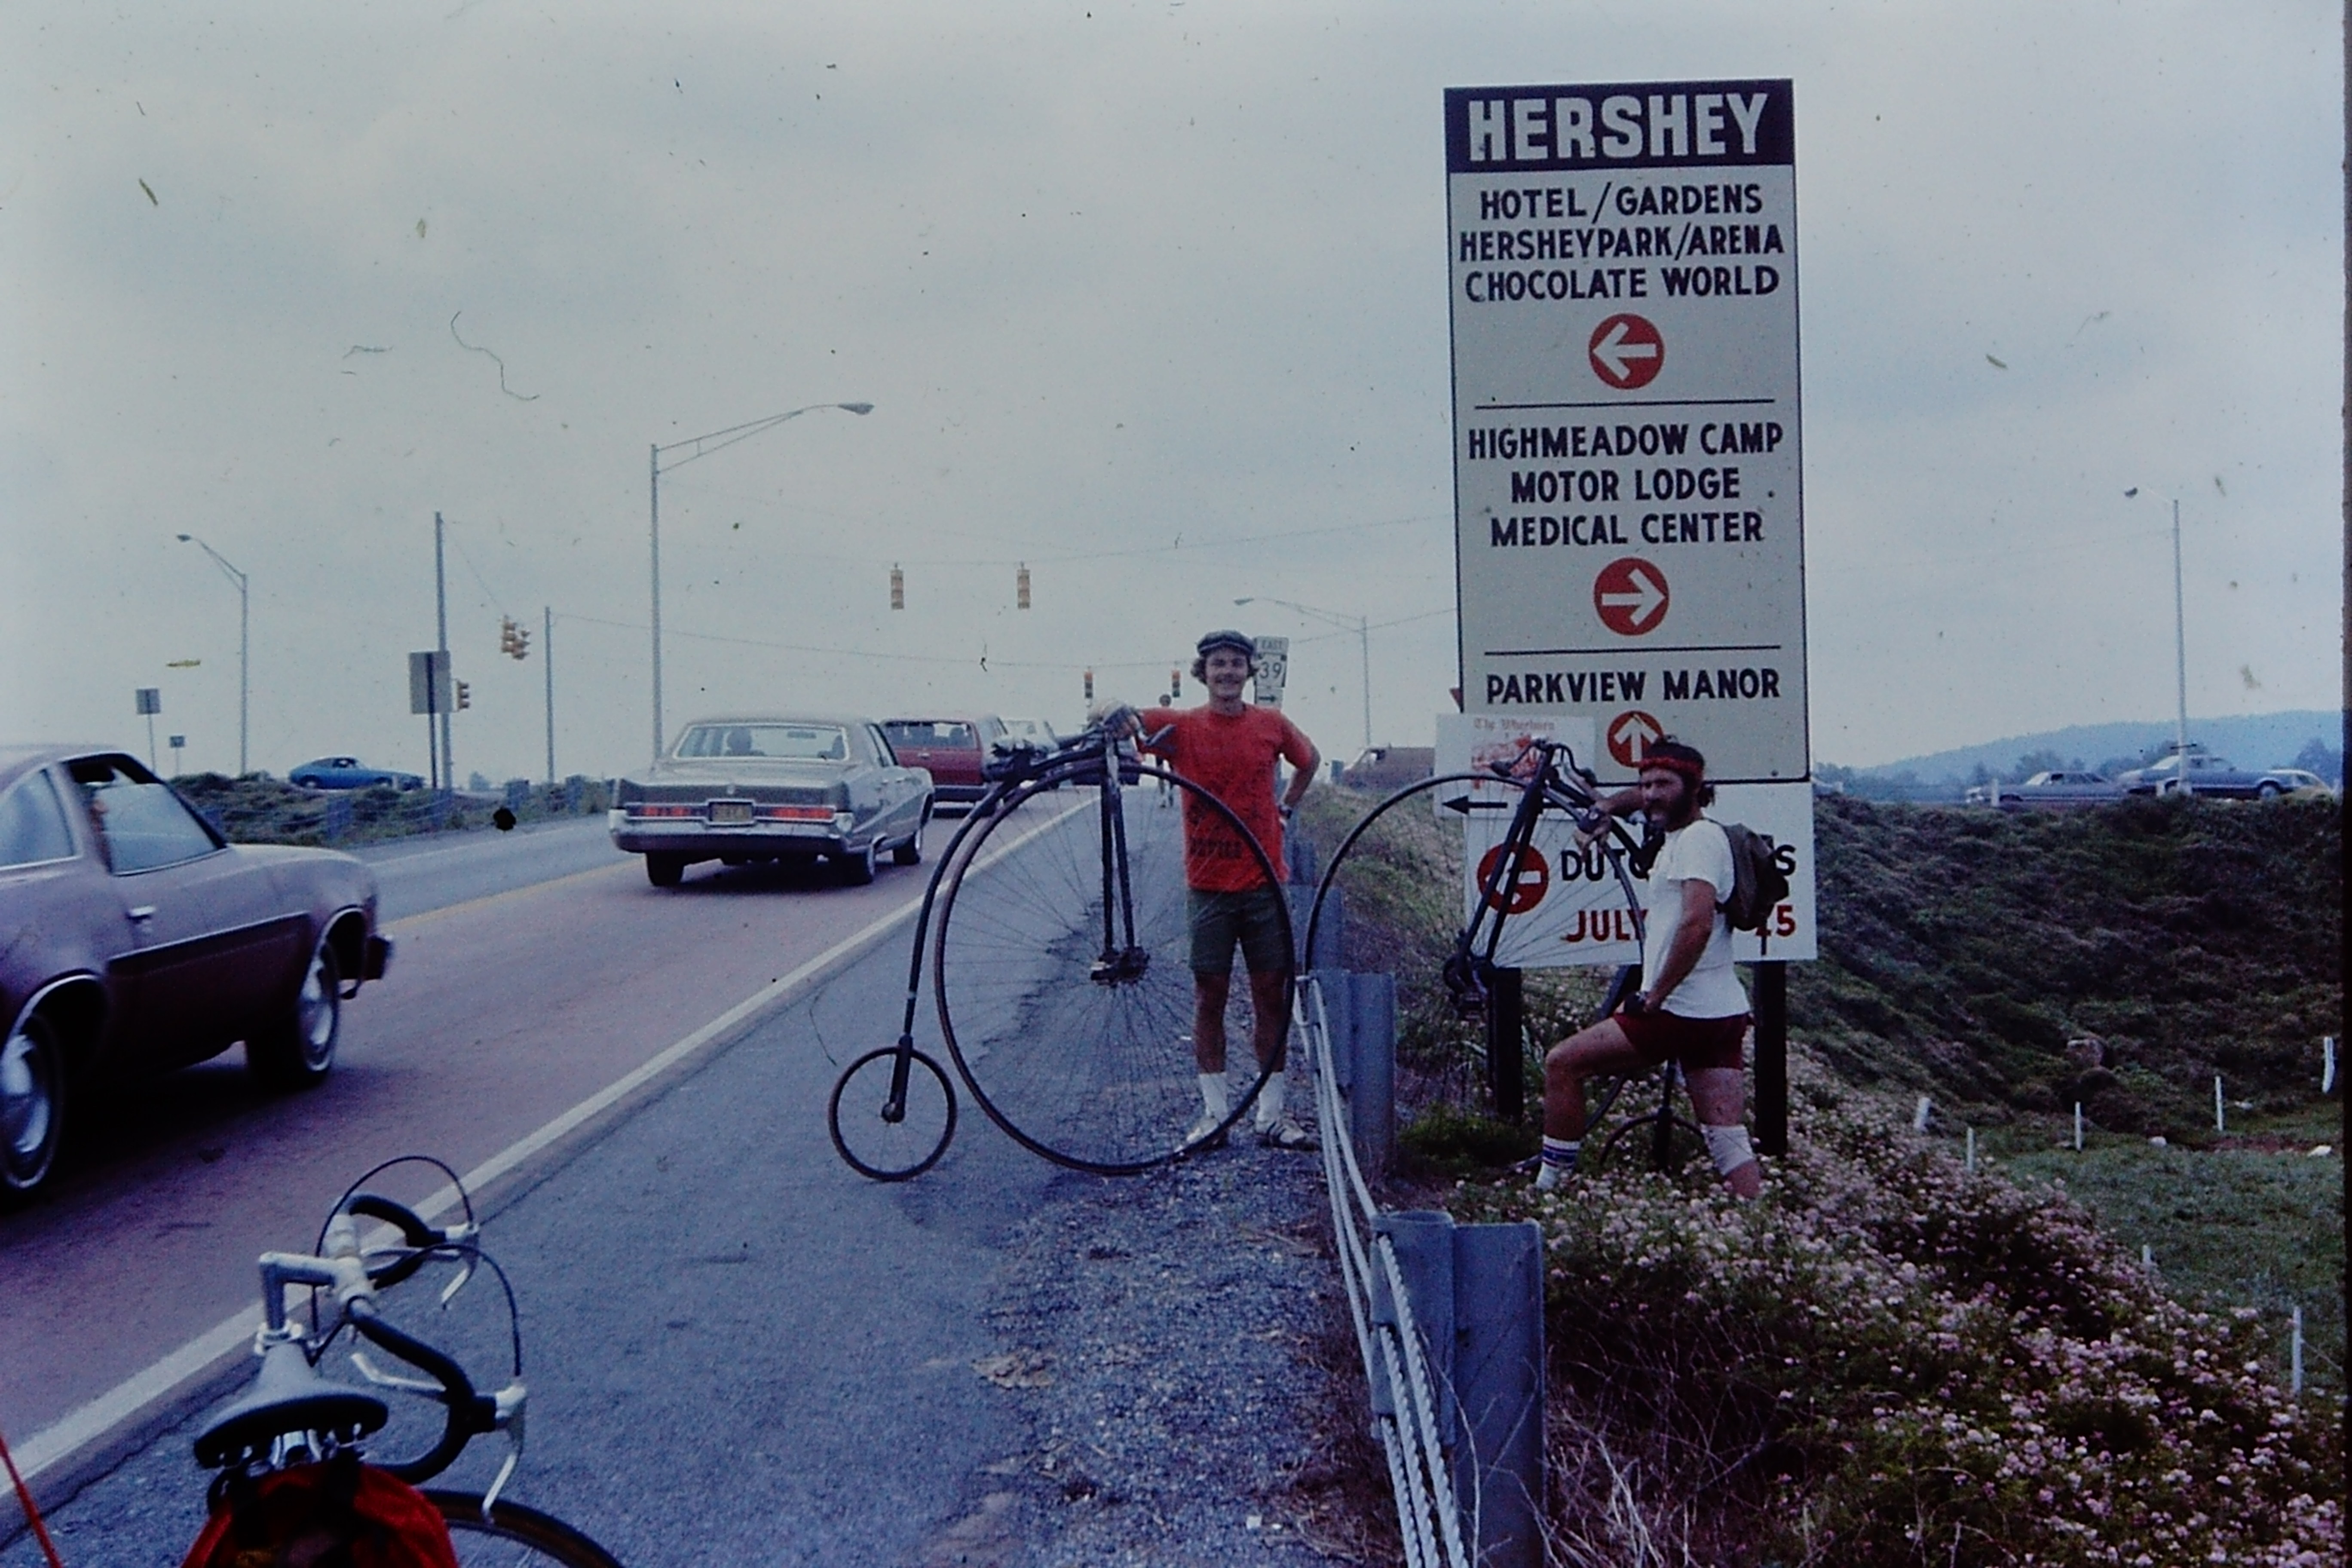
1229,748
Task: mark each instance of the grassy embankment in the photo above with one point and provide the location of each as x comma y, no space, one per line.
1892,1359
260,809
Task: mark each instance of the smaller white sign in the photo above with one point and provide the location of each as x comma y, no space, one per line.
1272,669
1479,742
1565,906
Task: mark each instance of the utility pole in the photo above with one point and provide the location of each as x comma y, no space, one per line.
653,490
547,652
2179,657
441,610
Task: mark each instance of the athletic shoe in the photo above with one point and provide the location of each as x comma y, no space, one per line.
1207,1132
1288,1134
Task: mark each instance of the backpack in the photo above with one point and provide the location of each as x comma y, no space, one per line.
1759,880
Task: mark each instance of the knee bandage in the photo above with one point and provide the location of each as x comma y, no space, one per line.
1728,1145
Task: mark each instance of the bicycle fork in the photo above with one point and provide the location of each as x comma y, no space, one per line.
1119,963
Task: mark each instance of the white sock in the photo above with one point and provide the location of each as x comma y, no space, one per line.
1213,1095
1269,1102
1559,1161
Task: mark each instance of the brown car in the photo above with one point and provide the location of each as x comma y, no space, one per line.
953,748
134,939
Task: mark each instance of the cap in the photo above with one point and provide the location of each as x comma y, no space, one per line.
1227,638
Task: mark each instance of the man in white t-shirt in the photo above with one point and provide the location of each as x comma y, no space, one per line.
1691,1008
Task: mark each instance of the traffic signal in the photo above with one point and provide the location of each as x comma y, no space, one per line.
507,635
1021,587
1090,685
897,589
1175,684
522,642
464,697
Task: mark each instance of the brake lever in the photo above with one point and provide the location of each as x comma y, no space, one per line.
382,1379
507,1416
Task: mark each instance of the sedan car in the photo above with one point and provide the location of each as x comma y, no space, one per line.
954,748
134,940
777,789
2075,787
2206,775
2287,781
349,773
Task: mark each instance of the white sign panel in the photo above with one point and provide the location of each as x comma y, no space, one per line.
1628,497
1565,906
1272,670
1475,742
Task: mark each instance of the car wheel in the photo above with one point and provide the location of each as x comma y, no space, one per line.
911,853
665,870
32,1106
858,866
298,1050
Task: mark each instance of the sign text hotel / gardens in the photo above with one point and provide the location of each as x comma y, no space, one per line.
1628,505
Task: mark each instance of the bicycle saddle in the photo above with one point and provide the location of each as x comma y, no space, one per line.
289,1396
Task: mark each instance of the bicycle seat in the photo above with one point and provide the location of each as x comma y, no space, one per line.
289,1396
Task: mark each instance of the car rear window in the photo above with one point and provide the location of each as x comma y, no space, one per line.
931,732
790,743
33,824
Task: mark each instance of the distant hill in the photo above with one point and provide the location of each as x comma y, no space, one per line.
2257,740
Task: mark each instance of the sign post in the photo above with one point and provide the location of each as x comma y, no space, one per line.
150,702
1628,514
429,694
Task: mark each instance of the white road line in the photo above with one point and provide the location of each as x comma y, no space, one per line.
71,1433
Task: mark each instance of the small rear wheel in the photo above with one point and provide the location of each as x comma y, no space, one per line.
2266,790
512,1536
877,1145
32,1106
857,866
665,870
911,853
298,1051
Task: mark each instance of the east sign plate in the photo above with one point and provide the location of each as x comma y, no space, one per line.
1628,502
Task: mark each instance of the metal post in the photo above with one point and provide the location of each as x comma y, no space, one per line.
2179,657
1498,1380
243,673
441,611
1364,640
1772,1058
1371,1097
1506,1035
547,655
653,490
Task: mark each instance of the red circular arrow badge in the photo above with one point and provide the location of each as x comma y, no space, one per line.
1626,351
1524,888
1630,736
1630,597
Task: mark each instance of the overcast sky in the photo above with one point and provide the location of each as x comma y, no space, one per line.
1151,298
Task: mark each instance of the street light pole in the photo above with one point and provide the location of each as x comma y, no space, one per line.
1356,623
703,447
244,646
2180,656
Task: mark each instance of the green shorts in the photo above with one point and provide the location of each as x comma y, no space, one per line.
1254,919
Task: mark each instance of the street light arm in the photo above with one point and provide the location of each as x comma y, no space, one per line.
235,575
719,440
1330,617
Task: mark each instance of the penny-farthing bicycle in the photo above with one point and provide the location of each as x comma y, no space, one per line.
1544,779
1061,970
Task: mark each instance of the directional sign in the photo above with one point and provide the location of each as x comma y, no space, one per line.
1522,888
1273,663
1627,351
1630,736
1653,226
1630,597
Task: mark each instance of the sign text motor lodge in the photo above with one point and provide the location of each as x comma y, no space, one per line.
1628,503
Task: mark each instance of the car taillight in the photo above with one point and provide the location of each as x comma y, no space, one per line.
642,808
796,813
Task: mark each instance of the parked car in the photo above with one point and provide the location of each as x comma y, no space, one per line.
1037,731
139,939
952,748
2205,774
2287,781
776,789
2074,787
349,773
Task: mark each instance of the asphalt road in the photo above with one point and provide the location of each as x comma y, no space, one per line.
737,1349
504,1009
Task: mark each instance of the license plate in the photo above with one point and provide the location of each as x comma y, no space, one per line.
731,814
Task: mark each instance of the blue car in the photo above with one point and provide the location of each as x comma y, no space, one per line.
349,773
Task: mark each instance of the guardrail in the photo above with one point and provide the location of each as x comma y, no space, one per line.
1448,1319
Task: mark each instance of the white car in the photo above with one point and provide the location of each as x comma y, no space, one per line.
1037,731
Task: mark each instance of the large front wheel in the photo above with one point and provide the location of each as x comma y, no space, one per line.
1063,967
508,1535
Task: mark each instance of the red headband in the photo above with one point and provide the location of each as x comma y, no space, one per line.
1682,766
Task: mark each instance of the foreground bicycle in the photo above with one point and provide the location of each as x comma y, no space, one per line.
292,1447
1061,970
1543,779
